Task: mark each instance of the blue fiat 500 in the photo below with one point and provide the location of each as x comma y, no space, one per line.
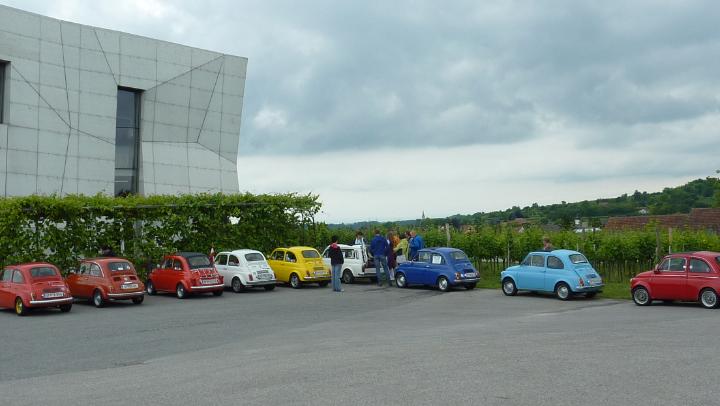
441,267
563,272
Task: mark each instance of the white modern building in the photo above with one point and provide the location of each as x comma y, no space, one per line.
85,110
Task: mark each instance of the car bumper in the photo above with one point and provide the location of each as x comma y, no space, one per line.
316,278
204,288
50,302
468,281
261,283
127,295
585,289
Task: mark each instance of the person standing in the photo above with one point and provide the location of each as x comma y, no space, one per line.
336,263
416,244
359,238
401,249
378,247
391,258
547,245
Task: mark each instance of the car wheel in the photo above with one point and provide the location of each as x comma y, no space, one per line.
590,295
323,283
443,284
508,287
562,291
400,280
138,300
20,309
641,296
708,298
150,288
218,292
237,285
269,287
66,307
97,299
347,277
180,291
470,286
295,281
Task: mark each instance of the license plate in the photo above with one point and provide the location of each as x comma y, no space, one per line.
264,276
130,286
318,273
319,268
595,282
470,274
52,295
208,281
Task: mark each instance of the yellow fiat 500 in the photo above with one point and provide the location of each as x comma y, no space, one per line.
299,265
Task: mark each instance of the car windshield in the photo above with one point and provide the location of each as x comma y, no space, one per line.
578,259
254,257
199,261
120,266
42,272
459,256
310,254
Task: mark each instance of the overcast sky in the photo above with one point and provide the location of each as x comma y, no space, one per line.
388,109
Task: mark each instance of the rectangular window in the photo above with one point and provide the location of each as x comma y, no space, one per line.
3,74
127,141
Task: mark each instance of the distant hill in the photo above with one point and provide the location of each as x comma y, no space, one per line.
698,193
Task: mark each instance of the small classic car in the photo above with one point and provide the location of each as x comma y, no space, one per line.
34,285
106,279
356,264
563,272
690,276
441,267
185,273
299,265
245,269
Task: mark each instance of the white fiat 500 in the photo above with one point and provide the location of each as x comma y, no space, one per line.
356,265
245,268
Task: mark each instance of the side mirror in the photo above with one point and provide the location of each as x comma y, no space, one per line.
656,269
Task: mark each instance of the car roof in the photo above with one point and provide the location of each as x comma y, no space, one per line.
346,246
301,248
241,251
702,254
187,254
105,259
443,250
29,265
563,252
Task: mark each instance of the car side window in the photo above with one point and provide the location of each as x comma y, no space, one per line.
167,264
554,263
233,261
7,275
278,255
437,259
84,268
290,257
326,253
95,270
526,261
177,265
17,277
221,259
673,265
699,266
537,260
424,256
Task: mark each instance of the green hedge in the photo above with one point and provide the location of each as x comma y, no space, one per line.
63,230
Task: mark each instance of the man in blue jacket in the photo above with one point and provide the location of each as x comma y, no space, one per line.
416,244
378,246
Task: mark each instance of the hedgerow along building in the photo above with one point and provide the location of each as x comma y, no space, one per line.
85,110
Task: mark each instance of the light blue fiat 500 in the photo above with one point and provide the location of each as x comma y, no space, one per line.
563,272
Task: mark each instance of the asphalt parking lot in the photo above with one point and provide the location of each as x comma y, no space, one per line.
368,345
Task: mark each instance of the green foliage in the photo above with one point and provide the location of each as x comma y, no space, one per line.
63,230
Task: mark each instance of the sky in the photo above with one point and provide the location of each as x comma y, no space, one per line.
387,109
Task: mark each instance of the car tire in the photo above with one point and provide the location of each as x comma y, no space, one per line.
641,296
400,280
138,300
323,283
562,291
269,287
150,288
97,299
590,295
347,277
66,307
470,286
508,287
218,292
295,281
708,298
180,291
237,285
20,308
443,284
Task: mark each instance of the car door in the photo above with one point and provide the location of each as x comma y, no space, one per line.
326,257
417,269
221,266
290,263
6,299
160,276
532,275
17,284
80,287
435,267
554,272
277,264
671,280
95,278
699,275
233,266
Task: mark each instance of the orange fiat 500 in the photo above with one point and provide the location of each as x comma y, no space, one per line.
106,279
33,285
185,273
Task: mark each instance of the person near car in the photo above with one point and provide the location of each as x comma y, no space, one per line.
401,249
547,245
378,247
416,244
359,238
391,258
336,263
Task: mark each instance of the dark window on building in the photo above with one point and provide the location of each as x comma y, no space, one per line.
3,74
127,141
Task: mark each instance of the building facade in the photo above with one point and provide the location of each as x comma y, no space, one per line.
85,110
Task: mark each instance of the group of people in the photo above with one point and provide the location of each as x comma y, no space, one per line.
388,252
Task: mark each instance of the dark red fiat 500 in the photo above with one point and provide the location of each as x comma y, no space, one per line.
33,285
185,273
688,276
106,279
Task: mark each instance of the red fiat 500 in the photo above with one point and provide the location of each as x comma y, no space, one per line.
104,279
34,285
185,273
689,276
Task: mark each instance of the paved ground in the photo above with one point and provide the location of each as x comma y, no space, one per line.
365,346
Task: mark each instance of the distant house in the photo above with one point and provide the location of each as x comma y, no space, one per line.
698,219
